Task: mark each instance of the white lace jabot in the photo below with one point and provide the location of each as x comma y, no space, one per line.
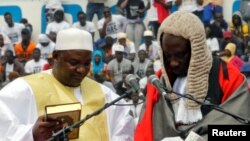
184,115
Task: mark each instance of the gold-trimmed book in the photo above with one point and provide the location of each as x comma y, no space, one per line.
66,113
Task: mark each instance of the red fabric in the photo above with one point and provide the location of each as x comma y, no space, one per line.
144,129
162,12
46,66
237,62
228,86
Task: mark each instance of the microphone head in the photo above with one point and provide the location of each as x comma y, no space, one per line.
129,78
152,78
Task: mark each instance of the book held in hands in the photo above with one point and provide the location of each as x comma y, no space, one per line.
67,114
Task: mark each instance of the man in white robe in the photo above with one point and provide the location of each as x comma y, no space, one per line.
23,101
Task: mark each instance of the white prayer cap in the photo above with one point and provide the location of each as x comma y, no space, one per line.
118,47
148,33
74,39
121,35
142,48
54,4
43,38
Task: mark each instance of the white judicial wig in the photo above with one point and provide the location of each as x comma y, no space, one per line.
74,39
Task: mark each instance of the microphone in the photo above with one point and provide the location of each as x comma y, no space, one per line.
153,79
133,83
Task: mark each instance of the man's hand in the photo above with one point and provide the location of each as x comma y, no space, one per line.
43,129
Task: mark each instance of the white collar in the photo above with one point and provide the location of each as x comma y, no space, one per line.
182,113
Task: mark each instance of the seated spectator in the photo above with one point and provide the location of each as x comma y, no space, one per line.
97,64
129,46
12,66
107,49
24,50
212,42
45,45
58,24
151,47
12,29
228,55
218,25
119,66
140,65
111,24
83,24
229,38
5,44
36,64
239,28
143,81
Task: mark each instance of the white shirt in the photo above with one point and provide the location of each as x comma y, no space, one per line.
116,25
6,47
34,67
45,51
53,4
136,109
189,5
153,49
213,44
18,113
90,26
152,12
182,113
143,82
14,33
9,68
130,49
157,65
56,27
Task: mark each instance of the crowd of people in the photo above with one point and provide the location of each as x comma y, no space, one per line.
195,52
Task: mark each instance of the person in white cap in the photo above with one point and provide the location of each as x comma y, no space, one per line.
119,65
129,46
22,102
5,44
151,47
45,45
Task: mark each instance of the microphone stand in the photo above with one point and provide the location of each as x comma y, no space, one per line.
62,135
210,106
